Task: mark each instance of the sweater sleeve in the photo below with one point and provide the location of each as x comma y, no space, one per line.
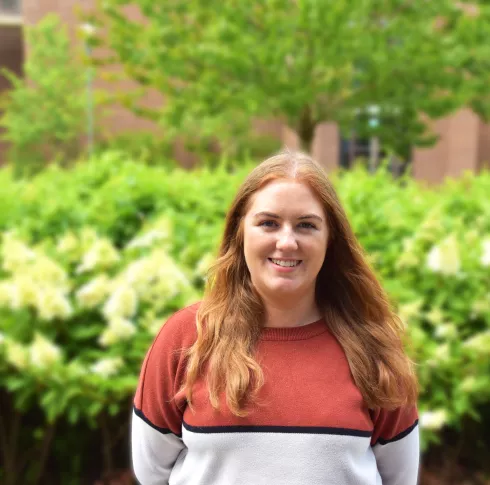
156,425
395,443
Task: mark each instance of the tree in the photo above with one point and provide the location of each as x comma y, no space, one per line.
44,112
220,64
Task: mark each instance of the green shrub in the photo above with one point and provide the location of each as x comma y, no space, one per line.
431,249
95,258
144,146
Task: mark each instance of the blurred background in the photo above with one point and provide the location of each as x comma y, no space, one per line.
127,126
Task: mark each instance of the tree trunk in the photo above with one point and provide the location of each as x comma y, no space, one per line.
306,130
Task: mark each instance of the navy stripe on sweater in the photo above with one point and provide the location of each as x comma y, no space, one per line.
399,436
277,429
141,415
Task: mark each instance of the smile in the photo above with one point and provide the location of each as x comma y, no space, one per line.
286,263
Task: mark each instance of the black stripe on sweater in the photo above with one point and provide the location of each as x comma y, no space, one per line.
399,436
277,429
141,415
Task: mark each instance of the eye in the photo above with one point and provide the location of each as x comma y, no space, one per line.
307,225
268,223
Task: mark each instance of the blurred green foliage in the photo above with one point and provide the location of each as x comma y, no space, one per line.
95,258
153,149
44,111
220,64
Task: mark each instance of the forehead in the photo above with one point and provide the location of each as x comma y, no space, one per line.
286,195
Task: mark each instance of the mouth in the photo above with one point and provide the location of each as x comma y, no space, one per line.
286,263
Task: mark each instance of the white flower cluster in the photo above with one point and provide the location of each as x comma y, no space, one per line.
101,254
17,355
36,281
480,307
156,277
446,331
479,343
15,253
428,232
67,243
41,353
94,292
117,330
159,232
410,310
152,279
435,316
444,257
147,240
433,420
440,355
107,367
122,303
433,225
409,257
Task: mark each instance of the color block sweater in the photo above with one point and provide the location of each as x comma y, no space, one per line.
310,425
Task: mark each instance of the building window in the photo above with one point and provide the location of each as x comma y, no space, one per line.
10,6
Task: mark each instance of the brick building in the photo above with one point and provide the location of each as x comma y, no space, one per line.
464,142
11,44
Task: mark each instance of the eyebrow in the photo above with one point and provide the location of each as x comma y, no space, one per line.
275,216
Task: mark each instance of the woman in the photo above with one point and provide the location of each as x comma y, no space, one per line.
291,370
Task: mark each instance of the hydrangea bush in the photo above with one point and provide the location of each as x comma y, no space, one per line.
431,249
77,314
95,259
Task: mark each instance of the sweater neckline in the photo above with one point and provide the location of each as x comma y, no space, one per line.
294,333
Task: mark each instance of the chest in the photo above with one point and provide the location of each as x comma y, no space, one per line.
306,385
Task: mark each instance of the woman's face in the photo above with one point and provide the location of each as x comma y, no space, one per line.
285,239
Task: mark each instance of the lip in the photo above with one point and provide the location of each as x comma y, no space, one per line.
284,269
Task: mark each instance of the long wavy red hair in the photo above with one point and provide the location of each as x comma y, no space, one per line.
355,306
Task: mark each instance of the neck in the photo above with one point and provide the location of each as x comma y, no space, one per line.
290,312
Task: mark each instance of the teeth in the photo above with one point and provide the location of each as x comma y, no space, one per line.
279,262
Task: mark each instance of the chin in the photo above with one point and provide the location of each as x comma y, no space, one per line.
283,288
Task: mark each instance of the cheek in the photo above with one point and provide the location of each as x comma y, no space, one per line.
257,247
247,242
249,246
317,251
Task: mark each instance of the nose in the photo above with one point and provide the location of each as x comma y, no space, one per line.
286,241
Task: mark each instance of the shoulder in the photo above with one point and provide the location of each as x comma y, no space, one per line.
163,371
166,355
179,330
393,425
